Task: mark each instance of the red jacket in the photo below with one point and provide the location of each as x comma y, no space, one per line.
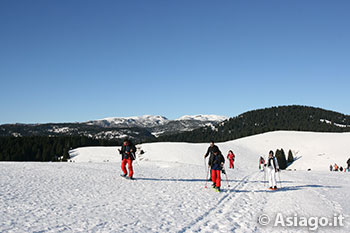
231,156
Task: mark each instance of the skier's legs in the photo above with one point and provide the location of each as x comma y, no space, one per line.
131,171
123,166
213,176
218,178
231,163
273,178
269,175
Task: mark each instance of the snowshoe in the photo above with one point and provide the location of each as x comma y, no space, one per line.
129,178
123,175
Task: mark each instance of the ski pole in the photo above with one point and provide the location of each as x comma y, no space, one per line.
206,181
133,157
226,177
279,176
264,176
267,177
205,167
135,161
228,184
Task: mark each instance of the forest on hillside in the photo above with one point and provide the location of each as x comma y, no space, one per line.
297,118
44,149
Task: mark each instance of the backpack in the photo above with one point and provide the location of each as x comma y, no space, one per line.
131,154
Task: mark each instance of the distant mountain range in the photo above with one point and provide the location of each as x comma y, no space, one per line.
199,128
149,121
140,128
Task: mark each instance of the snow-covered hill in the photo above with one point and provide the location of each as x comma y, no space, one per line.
314,151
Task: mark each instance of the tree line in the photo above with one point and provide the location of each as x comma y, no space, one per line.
298,118
44,149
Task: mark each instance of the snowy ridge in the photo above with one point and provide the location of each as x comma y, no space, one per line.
149,121
308,147
214,118
158,125
335,124
136,121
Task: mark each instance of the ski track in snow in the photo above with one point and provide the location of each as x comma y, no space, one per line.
228,220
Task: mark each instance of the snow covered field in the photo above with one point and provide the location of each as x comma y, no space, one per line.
168,194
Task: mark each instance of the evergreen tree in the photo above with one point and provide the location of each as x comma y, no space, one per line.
38,156
66,155
281,159
290,157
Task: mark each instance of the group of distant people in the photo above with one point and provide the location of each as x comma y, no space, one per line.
216,161
271,166
216,164
336,168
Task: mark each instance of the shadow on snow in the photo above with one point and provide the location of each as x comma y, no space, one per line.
283,189
199,180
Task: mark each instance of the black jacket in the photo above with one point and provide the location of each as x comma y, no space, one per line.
348,162
211,150
128,151
215,161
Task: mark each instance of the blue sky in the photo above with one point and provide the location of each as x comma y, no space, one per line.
67,61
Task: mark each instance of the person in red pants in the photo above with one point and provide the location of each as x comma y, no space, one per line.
231,158
216,162
128,155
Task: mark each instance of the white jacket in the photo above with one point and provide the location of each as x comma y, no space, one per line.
273,165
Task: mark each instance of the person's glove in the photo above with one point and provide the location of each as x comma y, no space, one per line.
223,171
277,170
